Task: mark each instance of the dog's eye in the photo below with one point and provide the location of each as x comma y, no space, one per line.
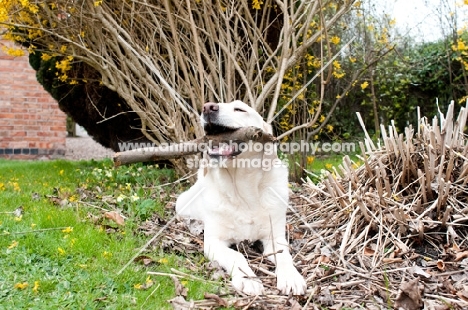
239,110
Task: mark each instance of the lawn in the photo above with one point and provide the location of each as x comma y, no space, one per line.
61,245
59,251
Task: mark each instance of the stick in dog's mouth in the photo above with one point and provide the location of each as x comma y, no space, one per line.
227,149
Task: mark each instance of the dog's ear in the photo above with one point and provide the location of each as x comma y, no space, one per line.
267,128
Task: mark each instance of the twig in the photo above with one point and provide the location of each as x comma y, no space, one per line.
33,231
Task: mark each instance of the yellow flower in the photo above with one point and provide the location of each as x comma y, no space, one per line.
97,3
63,66
163,261
335,40
352,59
336,64
329,128
257,4
106,254
67,230
21,286
61,251
33,8
15,52
364,85
46,57
14,244
148,281
338,75
36,287
328,166
310,159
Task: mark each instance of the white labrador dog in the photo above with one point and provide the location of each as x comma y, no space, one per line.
242,203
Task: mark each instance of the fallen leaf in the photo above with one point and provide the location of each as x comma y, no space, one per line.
221,302
180,290
369,251
461,255
321,259
418,271
447,285
463,295
145,260
179,303
115,216
409,297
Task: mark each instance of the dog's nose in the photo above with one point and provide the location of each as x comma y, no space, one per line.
210,107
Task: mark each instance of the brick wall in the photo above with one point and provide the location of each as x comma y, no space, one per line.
31,124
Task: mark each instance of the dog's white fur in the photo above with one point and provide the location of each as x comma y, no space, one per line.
239,204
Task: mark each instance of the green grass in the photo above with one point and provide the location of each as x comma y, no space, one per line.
316,167
54,256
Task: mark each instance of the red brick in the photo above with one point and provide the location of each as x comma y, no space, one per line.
32,128
7,115
16,133
19,110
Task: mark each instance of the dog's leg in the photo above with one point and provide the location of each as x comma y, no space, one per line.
243,278
287,277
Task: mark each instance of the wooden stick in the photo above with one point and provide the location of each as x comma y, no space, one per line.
177,150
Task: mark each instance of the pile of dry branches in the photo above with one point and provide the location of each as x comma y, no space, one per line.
390,233
402,214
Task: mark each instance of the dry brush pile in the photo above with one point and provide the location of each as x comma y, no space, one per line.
390,233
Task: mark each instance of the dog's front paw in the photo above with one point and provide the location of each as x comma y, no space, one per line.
249,286
290,280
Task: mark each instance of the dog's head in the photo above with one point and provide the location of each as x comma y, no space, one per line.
218,118
222,117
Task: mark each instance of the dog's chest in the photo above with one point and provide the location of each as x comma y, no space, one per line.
237,221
